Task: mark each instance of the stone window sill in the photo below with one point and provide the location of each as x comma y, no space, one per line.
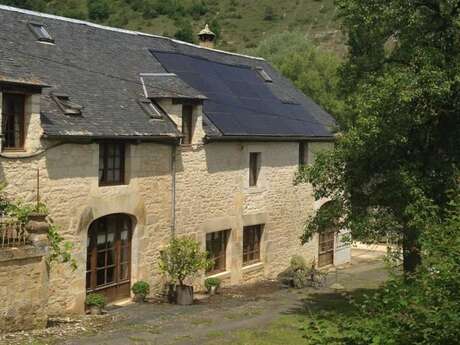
253,267
220,275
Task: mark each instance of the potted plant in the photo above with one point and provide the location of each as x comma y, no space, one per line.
95,302
181,260
140,290
212,284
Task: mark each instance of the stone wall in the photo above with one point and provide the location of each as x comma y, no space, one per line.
23,288
69,187
213,194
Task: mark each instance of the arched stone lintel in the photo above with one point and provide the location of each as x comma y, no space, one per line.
102,206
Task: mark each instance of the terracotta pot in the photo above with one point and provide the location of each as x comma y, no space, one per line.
184,295
95,310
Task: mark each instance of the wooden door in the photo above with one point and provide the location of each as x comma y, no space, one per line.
326,249
108,268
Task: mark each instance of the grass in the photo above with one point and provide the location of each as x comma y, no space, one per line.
199,322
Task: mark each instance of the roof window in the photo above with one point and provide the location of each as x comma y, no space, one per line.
264,75
41,33
66,105
150,108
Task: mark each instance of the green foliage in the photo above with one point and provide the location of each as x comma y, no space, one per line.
185,32
210,282
59,250
269,13
95,299
423,310
182,259
312,70
399,151
141,288
98,10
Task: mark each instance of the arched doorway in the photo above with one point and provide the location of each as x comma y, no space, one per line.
108,263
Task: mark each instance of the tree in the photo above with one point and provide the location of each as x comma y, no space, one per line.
98,10
185,31
312,70
400,148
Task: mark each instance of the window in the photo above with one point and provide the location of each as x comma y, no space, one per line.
13,121
187,124
40,32
303,154
254,167
252,236
111,164
66,105
216,246
150,108
264,75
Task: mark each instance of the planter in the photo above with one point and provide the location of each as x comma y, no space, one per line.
212,290
184,295
139,298
95,310
38,217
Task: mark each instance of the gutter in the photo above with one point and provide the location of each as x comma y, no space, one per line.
162,138
266,138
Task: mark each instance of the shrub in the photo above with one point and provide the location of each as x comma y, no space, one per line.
269,13
95,299
208,283
185,32
182,259
141,288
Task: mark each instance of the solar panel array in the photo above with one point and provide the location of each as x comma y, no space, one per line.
239,100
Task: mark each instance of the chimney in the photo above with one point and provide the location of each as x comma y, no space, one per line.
207,37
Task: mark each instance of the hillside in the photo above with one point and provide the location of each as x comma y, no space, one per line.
241,24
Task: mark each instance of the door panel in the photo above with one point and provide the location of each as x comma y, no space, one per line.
109,257
326,249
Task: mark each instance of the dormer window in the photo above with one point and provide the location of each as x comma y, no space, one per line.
13,121
264,75
40,32
150,108
66,105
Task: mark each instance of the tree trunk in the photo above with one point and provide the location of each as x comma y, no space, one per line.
411,251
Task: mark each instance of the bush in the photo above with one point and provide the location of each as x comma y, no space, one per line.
298,274
185,32
141,288
182,259
269,13
208,283
98,10
95,299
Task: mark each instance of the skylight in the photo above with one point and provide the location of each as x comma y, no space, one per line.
150,108
66,105
41,33
264,75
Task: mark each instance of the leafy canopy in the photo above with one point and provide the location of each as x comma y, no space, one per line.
400,147
182,259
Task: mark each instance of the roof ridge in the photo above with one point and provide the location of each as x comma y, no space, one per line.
110,28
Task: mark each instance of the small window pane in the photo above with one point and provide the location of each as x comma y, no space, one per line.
101,277
251,244
111,163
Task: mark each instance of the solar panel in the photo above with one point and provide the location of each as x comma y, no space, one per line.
239,100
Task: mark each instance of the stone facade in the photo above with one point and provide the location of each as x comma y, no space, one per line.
23,288
211,191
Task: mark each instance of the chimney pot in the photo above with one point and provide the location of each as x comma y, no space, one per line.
207,37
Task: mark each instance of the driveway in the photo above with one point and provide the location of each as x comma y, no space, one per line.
213,320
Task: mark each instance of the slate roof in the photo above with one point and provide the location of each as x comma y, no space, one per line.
169,85
100,68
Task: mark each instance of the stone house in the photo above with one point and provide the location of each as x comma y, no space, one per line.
133,138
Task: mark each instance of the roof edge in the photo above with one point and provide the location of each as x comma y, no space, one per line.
110,28
267,138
